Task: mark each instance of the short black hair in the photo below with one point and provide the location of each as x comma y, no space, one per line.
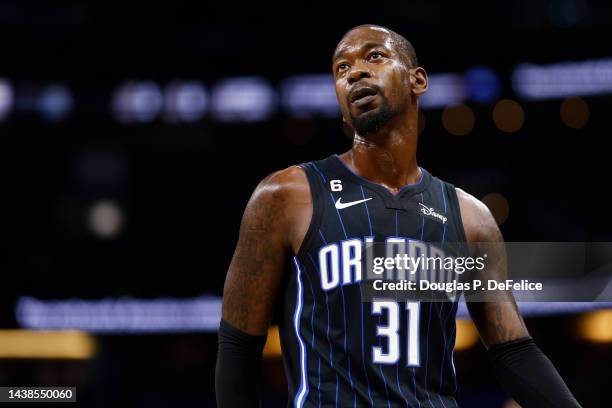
403,45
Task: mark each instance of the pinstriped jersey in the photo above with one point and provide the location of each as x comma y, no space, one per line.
341,348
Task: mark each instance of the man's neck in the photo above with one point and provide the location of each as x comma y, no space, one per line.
387,158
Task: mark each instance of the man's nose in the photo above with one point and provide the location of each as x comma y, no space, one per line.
357,74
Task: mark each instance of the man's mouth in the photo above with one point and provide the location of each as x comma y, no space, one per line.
364,100
362,96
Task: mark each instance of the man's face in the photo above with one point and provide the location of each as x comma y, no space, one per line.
372,79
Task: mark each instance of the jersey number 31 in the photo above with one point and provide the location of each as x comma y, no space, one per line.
391,333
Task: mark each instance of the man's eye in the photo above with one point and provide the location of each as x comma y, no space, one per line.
342,67
376,55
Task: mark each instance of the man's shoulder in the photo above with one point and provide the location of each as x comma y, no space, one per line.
294,179
286,179
469,202
283,185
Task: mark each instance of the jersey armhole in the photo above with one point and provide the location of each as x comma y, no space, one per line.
317,208
454,199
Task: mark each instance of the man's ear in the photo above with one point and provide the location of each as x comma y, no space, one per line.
418,81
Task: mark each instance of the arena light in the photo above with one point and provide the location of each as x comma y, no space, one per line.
574,112
443,90
498,205
137,101
308,95
121,315
105,219
467,335
596,326
185,101
458,119
592,77
172,315
484,84
55,102
46,344
508,116
538,309
6,98
243,99
272,347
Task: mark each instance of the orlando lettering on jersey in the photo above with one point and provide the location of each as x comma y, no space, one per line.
353,260
342,348
406,263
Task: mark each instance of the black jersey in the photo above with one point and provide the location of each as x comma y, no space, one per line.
340,350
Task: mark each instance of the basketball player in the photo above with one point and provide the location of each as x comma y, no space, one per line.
339,350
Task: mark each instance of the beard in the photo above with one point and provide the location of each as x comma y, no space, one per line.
372,121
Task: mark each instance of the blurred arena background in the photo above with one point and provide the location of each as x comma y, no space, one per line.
133,134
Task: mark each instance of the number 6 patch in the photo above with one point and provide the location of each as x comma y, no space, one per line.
335,185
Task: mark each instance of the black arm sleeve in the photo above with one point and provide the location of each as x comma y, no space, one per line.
237,375
528,376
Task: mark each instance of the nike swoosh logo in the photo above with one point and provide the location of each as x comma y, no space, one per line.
341,206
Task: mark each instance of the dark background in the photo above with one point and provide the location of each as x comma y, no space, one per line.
181,187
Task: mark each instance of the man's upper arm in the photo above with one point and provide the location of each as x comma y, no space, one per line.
495,315
274,216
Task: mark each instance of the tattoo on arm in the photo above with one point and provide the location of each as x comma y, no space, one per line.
496,316
499,322
258,263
